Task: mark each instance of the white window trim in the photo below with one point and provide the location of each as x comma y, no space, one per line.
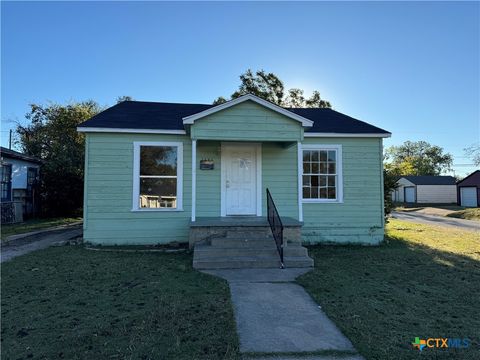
339,188
136,174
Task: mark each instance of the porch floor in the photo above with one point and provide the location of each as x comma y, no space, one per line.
239,221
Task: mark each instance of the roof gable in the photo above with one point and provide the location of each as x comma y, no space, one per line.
472,179
405,182
249,97
247,121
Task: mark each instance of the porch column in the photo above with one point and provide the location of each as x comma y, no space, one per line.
194,177
300,171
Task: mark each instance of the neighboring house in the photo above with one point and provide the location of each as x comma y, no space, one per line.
425,189
469,190
156,171
19,179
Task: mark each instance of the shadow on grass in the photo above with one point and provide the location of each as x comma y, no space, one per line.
383,297
68,302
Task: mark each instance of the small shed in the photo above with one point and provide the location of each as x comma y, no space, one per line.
426,189
468,190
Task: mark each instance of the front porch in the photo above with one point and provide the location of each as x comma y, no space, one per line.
245,242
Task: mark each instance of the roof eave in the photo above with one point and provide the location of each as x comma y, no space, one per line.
88,129
356,135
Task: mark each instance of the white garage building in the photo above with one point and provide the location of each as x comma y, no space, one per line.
426,189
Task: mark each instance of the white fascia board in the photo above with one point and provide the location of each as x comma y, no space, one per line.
315,134
131,131
188,120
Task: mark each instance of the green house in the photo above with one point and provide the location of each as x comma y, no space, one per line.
157,173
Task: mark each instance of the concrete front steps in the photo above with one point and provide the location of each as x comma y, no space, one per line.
236,246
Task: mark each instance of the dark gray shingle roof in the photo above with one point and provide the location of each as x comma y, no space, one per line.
431,180
168,116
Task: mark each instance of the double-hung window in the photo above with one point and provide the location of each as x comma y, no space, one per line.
6,182
158,169
322,173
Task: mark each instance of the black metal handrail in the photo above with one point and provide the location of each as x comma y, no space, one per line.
275,225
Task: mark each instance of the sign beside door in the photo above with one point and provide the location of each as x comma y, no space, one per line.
241,179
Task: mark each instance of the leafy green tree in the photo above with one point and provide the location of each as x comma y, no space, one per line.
268,86
52,136
417,158
295,98
389,185
219,100
316,102
124,98
473,152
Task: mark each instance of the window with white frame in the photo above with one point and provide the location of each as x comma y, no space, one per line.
158,171
322,171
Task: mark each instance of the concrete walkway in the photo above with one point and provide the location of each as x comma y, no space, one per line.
26,244
275,315
460,224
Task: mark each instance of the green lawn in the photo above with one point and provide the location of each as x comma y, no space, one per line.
35,224
71,303
422,282
469,214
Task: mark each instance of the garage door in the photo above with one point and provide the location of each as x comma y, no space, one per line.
468,196
409,194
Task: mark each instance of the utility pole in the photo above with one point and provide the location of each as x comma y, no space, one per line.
10,140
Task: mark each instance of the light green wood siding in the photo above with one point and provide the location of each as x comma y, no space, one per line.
208,181
359,219
247,121
108,215
279,174
109,219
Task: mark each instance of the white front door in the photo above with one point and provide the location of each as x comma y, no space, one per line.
468,196
240,177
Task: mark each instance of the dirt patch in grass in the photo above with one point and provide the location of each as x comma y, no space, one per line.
453,211
68,302
429,210
468,214
422,282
